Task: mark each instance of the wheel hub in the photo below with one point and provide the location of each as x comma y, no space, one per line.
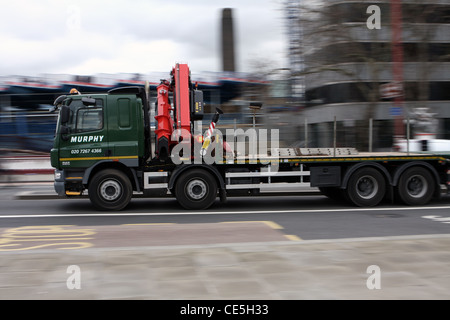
367,187
196,189
416,186
110,190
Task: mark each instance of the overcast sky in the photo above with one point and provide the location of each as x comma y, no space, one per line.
114,36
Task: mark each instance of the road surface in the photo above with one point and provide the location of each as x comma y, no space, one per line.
264,248
304,217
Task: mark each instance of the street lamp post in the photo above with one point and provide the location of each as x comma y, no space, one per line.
255,107
397,66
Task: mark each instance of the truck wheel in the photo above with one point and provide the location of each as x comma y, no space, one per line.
196,189
366,187
416,186
110,190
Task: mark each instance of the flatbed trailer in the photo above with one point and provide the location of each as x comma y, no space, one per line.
364,179
104,144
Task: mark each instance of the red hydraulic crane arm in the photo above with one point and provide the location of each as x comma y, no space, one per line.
181,90
180,86
164,121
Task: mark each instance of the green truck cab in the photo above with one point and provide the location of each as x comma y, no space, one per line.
100,131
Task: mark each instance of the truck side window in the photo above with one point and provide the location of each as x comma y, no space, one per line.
89,119
85,118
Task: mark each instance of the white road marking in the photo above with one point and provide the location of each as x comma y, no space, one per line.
438,218
186,213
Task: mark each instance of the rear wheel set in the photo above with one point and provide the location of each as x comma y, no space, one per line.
416,186
367,187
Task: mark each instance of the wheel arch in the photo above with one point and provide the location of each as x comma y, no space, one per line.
109,164
357,166
178,171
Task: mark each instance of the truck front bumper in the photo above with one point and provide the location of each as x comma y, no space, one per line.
59,183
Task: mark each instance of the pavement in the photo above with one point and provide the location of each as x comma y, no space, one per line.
219,266
18,167
404,267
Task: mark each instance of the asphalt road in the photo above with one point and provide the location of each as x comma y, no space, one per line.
249,248
298,218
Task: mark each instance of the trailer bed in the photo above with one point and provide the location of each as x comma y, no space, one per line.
309,155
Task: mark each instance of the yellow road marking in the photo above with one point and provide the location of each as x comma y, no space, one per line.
62,236
293,237
270,224
146,224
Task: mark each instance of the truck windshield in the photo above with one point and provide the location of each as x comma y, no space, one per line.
83,118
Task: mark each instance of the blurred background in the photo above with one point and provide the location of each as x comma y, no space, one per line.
309,62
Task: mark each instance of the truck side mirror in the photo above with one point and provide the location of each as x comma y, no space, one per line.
64,131
59,100
88,101
64,114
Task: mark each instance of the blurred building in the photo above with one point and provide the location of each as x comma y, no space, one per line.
295,40
347,67
26,124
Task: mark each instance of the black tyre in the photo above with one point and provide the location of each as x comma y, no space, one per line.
110,190
196,189
366,187
416,186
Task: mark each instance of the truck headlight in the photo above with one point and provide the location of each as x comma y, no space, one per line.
57,175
